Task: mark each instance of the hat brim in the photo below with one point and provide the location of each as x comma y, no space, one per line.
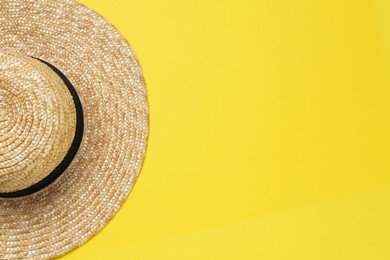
105,72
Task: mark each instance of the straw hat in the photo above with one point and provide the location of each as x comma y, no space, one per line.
73,125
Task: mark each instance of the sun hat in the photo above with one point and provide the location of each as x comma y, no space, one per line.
73,125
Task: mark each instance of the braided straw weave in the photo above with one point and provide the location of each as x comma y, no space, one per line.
38,122
37,125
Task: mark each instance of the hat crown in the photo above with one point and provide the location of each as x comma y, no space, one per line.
37,121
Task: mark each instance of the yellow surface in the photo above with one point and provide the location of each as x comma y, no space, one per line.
269,131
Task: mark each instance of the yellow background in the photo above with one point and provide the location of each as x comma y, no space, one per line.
269,131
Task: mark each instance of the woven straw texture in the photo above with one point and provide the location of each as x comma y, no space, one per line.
107,77
39,121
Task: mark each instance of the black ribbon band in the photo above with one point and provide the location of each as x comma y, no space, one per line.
72,150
